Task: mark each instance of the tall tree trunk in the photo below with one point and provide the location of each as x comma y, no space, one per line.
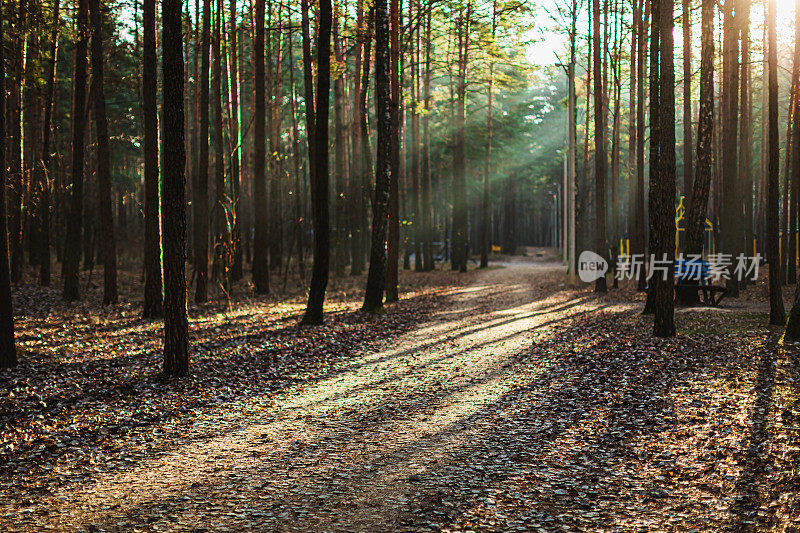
47,160
220,271
357,163
275,237
414,41
319,160
393,239
260,250
201,219
298,171
746,140
639,227
777,313
426,208
373,296
75,220
698,206
108,245
599,149
237,270
173,192
487,164
340,140
793,191
656,144
8,349
153,298
662,188
688,157
731,208
459,147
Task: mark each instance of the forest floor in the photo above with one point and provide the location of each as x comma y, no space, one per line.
497,400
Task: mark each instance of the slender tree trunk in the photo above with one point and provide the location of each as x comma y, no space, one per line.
663,186
8,349
47,163
319,160
746,140
75,220
656,145
393,244
220,212
459,149
777,313
173,192
731,208
426,208
698,206
298,171
201,219
488,157
237,269
340,140
688,157
153,299
415,148
260,242
275,236
599,149
103,161
639,227
794,189
373,296
357,164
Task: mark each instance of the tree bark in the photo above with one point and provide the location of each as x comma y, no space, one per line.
426,208
108,245
8,349
153,298
487,164
220,271
173,192
791,196
731,208
341,251
47,162
75,220
663,186
601,247
237,268
201,219
459,146
357,163
777,313
373,296
698,206
688,157
260,250
319,160
393,239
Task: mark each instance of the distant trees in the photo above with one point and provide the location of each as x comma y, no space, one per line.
777,313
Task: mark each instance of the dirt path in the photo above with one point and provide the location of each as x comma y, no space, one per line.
511,409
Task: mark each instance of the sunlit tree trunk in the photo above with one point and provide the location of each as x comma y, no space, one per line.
260,251
488,156
393,239
688,156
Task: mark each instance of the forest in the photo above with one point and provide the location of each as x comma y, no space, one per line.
375,265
